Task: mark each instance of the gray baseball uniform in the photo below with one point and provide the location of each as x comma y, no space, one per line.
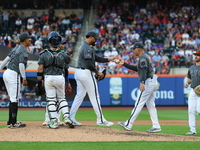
146,75
19,55
86,82
194,99
17,61
54,64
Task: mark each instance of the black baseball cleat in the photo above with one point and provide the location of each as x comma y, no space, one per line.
17,125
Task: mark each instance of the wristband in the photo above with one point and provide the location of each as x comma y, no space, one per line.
142,82
66,79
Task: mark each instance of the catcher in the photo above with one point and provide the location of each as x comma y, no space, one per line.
194,96
52,65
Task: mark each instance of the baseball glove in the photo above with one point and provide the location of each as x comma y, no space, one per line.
99,79
68,90
197,90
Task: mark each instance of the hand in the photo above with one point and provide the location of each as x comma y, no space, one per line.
142,87
121,62
61,47
24,82
100,75
186,85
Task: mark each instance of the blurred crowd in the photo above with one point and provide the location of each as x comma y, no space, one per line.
170,32
12,23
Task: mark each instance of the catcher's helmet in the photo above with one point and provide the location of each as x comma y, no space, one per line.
54,39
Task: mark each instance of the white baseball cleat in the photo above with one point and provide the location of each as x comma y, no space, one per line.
76,123
190,133
45,123
106,123
124,126
153,130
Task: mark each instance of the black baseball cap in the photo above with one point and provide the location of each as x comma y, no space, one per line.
137,45
197,53
93,34
24,36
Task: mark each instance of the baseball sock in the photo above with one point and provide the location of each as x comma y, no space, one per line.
10,114
14,109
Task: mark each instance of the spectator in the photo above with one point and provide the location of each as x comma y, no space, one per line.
68,31
7,38
164,59
156,59
31,21
5,18
80,17
114,52
18,23
38,43
107,53
175,58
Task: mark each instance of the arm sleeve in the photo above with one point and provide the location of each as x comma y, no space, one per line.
4,62
143,64
22,70
100,59
143,75
90,66
134,68
23,57
189,75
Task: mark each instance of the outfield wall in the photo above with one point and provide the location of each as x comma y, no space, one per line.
120,91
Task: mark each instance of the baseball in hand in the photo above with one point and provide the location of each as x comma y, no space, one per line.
117,60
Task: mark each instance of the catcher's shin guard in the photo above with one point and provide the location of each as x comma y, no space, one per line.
52,110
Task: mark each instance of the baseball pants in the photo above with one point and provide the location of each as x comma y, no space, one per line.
147,96
86,82
193,109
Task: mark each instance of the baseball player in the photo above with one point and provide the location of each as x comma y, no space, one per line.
194,99
148,85
86,81
51,65
47,120
17,61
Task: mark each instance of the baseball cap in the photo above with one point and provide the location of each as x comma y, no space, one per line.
93,34
197,53
137,45
24,36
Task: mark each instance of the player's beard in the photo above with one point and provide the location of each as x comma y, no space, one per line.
93,44
197,59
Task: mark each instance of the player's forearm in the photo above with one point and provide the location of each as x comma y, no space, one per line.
22,70
189,81
100,59
143,75
4,62
134,68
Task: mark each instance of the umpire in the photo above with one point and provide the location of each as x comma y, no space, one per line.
17,61
194,99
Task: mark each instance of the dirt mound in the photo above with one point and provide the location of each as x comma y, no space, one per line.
85,133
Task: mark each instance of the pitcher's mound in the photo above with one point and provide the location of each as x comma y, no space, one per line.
85,133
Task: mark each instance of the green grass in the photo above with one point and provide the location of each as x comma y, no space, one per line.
133,145
31,115
116,115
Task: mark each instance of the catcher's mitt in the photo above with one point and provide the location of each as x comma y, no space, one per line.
197,90
68,90
99,79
